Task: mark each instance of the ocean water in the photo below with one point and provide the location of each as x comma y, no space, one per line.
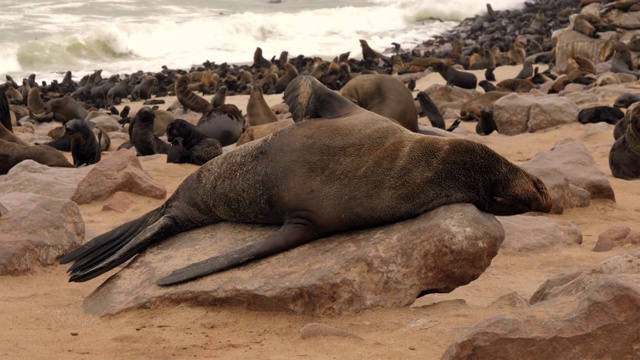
123,36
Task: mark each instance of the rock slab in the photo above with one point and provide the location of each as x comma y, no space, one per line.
592,313
37,230
387,266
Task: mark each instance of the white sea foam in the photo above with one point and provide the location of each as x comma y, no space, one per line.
146,40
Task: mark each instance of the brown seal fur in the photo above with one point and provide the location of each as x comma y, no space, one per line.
484,59
66,108
315,178
471,110
258,132
12,154
624,156
34,101
189,99
258,111
384,95
219,98
290,73
142,91
582,25
515,85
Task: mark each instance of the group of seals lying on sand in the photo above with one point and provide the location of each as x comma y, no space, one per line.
14,150
319,176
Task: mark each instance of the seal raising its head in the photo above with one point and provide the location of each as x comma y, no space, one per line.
317,177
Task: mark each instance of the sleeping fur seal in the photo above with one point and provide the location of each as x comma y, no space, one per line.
384,95
12,154
624,156
595,114
625,100
315,178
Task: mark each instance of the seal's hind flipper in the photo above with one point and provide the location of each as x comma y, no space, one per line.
290,235
309,99
429,108
113,248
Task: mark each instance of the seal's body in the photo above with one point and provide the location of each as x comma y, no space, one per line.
343,168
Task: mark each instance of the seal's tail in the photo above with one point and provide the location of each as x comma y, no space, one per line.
114,247
309,99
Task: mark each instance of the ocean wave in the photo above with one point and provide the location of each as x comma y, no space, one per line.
125,44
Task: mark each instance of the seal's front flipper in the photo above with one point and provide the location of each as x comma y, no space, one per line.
292,234
431,110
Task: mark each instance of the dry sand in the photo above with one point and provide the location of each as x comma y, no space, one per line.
43,317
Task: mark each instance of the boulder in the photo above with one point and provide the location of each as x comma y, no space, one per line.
573,160
37,230
441,94
572,43
602,321
519,113
614,235
569,284
525,233
31,177
387,266
121,171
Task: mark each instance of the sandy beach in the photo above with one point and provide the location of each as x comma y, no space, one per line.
43,315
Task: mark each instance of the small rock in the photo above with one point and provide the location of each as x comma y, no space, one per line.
316,329
611,237
121,171
119,202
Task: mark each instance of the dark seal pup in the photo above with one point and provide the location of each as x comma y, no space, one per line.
85,148
318,177
454,77
596,114
624,156
188,145
142,136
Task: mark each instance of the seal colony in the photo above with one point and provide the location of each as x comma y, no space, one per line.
253,185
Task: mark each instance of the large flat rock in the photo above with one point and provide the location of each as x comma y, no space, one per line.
388,266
